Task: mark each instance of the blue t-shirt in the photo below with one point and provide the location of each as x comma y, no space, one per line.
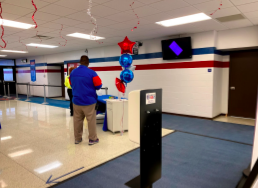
85,82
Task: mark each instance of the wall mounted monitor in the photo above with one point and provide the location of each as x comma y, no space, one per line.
180,48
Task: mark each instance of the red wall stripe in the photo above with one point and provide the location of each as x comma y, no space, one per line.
181,65
38,71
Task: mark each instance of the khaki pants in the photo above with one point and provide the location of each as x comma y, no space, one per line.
80,112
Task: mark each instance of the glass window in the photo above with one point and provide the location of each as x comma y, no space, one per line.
8,74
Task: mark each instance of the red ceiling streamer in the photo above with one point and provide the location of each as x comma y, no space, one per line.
34,13
217,8
23,43
135,27
39,38
1,10
62,36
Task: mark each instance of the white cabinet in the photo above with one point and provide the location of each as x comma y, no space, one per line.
117,115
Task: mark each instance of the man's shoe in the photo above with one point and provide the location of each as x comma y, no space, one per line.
78,142
92,142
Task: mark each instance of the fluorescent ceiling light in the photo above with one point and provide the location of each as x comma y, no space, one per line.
41,45
85,36
14,51
20,25
20,153
48,167
3,55
184,20
6,138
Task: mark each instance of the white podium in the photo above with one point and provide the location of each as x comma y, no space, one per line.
116,111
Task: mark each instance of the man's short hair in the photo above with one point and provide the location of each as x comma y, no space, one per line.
84,59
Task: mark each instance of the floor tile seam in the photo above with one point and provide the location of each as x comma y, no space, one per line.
236,142
22,167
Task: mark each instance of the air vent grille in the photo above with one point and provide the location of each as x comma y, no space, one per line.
230,18
42,37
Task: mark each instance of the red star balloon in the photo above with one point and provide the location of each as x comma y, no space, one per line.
126,46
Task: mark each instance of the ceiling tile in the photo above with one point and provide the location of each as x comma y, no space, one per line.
57,10
158,17
182,12
213,5
105,22
44,16
145,11
254,20
224,12
129,24
78,5
12,9
101,1
28,4
50,1
67,21
30,21
122,5
253,14
122,16
53,25
148,1
248,7
242,2
166,5
8,16
102,11
193,2
81,16
238,24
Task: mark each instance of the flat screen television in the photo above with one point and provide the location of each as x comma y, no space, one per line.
180,48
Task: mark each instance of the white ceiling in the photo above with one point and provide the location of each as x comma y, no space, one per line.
115,19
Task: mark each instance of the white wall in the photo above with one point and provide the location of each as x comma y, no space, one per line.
191,92
238,38
42,77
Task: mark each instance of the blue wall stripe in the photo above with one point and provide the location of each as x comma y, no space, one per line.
37,65
197,51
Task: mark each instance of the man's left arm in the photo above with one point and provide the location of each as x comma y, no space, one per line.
97,81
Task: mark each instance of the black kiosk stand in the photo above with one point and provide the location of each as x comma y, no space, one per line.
150,134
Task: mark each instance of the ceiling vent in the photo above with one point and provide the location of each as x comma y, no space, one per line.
230,18
42,37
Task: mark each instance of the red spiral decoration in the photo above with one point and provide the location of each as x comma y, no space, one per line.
135,27
217,8
1,10
39,38
23,43
36,9
62,36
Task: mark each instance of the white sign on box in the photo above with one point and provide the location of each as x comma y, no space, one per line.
150,98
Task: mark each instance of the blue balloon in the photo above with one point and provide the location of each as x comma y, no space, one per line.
125,60
127,76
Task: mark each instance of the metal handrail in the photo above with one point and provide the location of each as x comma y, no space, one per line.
45,98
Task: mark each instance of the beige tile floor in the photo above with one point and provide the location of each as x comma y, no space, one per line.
242,121
37,141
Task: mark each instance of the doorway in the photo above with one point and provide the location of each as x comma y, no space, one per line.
243,84
7,74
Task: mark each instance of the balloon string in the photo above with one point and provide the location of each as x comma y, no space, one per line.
23,43
217,8
62,36
122,120
34,13
39,38
1,10
135,27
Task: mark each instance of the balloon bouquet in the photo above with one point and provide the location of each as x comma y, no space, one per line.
125,60
126,76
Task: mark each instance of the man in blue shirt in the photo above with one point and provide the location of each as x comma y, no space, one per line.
85,82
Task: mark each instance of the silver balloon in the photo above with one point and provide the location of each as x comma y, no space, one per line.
132,68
